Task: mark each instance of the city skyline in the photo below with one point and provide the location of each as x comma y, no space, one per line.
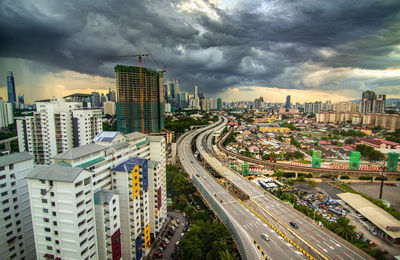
229,49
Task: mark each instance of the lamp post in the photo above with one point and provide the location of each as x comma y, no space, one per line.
382,177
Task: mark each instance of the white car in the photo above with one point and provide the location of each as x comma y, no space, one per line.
265,237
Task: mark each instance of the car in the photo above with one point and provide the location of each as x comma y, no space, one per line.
359,234
173,254
198,175
293,224
169,236
373,232
191,161
177,243
371,243
158,254
163,245
183,234
265,237
166,241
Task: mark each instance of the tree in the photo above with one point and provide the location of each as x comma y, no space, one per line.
180,185
343,229
226,255
370,153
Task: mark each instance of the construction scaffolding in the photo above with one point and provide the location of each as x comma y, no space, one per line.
392,162
354,160
316,159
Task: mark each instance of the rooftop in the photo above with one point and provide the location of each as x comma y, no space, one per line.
55,173
103,196
373,213
134,136
80,151
14,158
129,164
105,136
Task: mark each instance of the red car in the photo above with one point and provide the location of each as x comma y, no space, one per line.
163,245
158,254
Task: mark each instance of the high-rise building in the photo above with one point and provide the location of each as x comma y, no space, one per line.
219,103
287,104
196,91
6,114
56,126
12,97
133,167
16,240
140,102
111,95
96,99
371,103
109,108
63,213
21,99
312,108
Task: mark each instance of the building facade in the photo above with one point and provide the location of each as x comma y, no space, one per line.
140,100
56,126
12,97
16,230
6,113
63,214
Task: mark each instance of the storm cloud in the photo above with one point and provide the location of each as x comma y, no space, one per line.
307,44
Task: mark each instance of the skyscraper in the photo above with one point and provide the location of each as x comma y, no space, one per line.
12,97
287,104
371,103
140,101
196,91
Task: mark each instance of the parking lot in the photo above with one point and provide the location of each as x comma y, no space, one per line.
173,236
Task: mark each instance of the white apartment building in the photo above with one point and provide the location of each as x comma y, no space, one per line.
109,160
16,231
108,225
63,213
109,108
157,184
6,113
56,126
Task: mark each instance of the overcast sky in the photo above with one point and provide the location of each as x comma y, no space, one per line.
237,50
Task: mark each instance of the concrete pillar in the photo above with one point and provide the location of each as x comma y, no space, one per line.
7,146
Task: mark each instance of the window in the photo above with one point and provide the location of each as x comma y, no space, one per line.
6,209
44,201
11,166
55,223
43,181
45,211
57,242
46,220
43,192
16,207
87,181
18,222
4,193
51,183
56,232
14,191
47,229
54,213
52,194
15,199
2,168
58,251
53,204
48,238
49,248
7,217
5,201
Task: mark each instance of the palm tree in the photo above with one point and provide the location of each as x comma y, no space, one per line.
226,255
343,229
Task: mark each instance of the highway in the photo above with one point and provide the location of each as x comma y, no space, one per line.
308,235
244,223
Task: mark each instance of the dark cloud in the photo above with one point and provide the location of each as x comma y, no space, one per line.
264,44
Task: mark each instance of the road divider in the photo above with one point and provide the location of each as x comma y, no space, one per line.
279,232
261,251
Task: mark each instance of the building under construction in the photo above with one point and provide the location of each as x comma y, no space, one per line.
140,100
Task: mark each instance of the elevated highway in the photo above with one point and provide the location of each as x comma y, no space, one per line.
245,226
319,241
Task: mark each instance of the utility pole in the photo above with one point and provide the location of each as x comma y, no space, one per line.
382,177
